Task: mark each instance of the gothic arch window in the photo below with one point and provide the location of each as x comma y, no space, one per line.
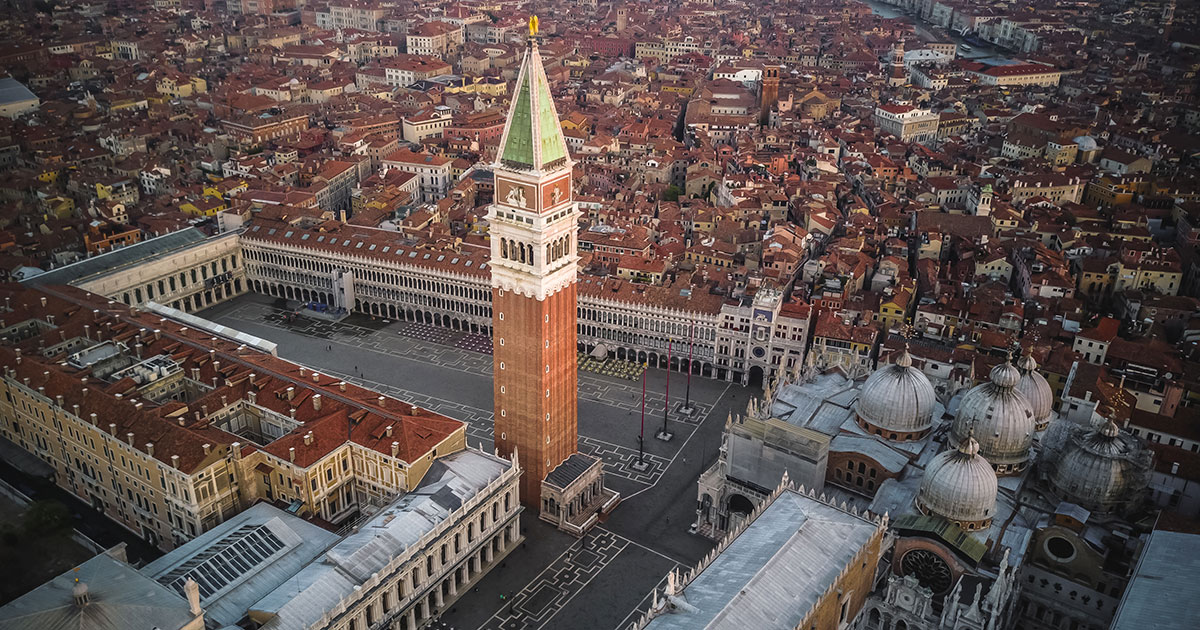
504,248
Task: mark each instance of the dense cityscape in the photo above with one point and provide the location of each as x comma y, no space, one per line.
633,315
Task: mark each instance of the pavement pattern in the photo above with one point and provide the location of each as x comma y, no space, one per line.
552,580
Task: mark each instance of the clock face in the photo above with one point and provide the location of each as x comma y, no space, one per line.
930,569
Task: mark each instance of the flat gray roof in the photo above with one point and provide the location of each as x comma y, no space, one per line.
241,560
11,91
119,258
120,598
1164,586
775,571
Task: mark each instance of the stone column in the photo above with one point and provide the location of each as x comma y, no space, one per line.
454,583
487,552
437,596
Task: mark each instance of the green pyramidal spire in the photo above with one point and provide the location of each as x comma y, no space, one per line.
533,137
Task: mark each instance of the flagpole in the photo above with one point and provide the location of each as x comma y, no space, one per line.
642,435
667,394
687,397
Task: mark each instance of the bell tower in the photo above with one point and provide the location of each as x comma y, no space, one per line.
533,225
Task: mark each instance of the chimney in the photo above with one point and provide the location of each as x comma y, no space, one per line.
252,377
382,401
207,448
138,349
192,590
157,334
216,366
112,428
388,431
291,393
395,449
175,462
316,399
236,450
316,377
195,374
308,438
129,438
302,371
93,416
75,410
342,386
58,400
292,454
252,397
150,449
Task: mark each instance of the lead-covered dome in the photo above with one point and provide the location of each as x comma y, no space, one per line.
960,486
1101,469
1001,419
897,401
1036,390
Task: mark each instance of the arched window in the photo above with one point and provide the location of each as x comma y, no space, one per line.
504,248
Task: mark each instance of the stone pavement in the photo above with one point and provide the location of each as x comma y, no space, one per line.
605,582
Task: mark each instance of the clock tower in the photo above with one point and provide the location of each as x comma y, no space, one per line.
533,225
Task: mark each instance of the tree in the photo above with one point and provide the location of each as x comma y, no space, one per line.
46,518
672,193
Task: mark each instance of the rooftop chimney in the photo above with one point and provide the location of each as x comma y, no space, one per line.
291,393
175,461
112,428
236,449
292,454
342,386
382,401
150,449
316,377
395,449
316,399
388,431
207,448
302,371
308,438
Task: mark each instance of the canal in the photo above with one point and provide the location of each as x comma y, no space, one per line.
980,52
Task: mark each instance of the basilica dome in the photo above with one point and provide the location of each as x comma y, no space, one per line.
1001,419
1101,469
1036,391
960,486
897,401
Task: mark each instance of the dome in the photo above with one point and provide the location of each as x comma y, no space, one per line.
1101,469
1001,418
960,486
1036,390
897,401
1086,143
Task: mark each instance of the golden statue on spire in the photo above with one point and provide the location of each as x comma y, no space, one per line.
533,25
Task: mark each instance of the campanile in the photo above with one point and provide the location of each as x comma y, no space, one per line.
533,225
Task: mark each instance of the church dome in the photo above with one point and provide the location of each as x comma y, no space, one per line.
960,486
1001,419
897,401
1101,469
1036,390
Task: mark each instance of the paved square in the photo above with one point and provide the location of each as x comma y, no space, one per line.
552,580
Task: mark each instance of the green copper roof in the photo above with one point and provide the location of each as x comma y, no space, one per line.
533,118
519,145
